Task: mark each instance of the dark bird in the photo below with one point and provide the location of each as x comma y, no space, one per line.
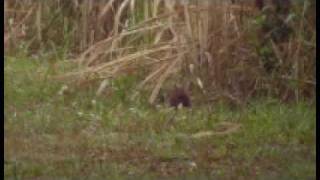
179,96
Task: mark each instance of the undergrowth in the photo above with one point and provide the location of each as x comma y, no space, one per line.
70,135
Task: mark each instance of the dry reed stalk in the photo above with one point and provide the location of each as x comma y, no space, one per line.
120,61
230,128
156,6
297,63
105,9
117,20
38,22
162,78
15,29
153,75
101,46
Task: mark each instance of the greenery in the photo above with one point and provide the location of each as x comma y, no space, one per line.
88,86
70,133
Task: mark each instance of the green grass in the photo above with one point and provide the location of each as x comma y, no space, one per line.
78,135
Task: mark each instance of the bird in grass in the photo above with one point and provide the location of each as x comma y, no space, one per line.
179,97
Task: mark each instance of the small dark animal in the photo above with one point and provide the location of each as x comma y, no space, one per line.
179,96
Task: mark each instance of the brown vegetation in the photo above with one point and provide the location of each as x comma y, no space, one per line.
210,44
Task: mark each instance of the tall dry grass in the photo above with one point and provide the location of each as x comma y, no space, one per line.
209,47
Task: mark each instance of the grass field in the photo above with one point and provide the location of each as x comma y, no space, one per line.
76,135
